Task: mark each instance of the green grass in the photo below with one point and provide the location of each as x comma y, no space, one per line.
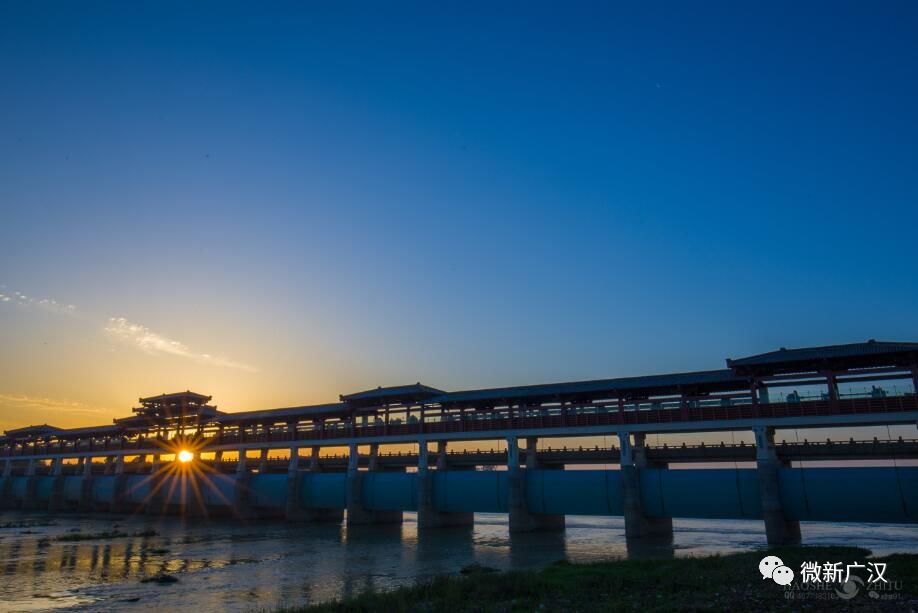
717,583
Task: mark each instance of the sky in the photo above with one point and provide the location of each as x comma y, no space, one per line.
277,203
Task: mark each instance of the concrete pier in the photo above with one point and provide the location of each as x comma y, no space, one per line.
779,530
242,490
637,524
521,518
56,499
120,501
86,504
357,514
428,515
7,490
30,502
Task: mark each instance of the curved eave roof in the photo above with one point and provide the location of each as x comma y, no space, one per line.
851,355
287,414
710,380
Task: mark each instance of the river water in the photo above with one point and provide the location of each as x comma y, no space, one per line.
230,566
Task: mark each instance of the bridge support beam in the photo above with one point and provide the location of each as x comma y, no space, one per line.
779,530
155,504
313,514
242,490
30,500
521,518
295,510
357,514
120,501
56,499
637,524
428,515
86,503
6,494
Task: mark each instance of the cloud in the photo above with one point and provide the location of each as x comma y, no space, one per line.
145,339
21,402
46,304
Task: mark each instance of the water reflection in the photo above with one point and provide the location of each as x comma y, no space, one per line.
227,565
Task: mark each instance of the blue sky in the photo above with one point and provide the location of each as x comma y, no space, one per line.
276,204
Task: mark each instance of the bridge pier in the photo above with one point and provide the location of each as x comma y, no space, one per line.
56,501
521,518
86,505
357,514
638,525
321,515
242,490
156,500
294,510
779,530
428,515
29,501
120,500
6,495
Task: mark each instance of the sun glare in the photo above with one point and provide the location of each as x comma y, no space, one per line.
185,456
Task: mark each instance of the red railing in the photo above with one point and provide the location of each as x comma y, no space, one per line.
572,419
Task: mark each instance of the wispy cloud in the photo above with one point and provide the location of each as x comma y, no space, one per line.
22,402
145,339
22,300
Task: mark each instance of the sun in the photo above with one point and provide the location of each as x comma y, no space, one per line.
185,456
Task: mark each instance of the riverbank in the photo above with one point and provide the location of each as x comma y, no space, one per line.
722,582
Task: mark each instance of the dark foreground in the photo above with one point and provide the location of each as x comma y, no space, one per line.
722,583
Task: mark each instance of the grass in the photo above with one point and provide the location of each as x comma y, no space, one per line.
716,583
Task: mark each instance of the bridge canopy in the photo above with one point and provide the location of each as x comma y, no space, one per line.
625,387
871,354
401,394
31,431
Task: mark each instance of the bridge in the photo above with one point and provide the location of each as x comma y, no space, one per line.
179,454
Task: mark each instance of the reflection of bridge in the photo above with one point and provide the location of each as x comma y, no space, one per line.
121,466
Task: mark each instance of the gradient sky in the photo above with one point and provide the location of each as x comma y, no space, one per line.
278,203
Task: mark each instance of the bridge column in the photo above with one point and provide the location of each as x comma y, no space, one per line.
295,510
120,502
263,462
154,503
428,515
86,504
779,530
6,496
314,514
242,490
373,463
357,514
521,518
30,499
637,524
56,500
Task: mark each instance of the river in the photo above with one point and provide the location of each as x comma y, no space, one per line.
222,565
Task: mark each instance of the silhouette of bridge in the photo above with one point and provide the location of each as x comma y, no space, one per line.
132,465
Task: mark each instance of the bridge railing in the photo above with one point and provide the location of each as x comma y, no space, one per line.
573,417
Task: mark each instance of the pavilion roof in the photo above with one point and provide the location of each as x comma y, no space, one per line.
282,415
392,395
852,355
712,380
177,396
38,430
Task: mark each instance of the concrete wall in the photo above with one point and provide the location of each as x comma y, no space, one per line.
467,490
701,493
872,494
324,491
884,494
